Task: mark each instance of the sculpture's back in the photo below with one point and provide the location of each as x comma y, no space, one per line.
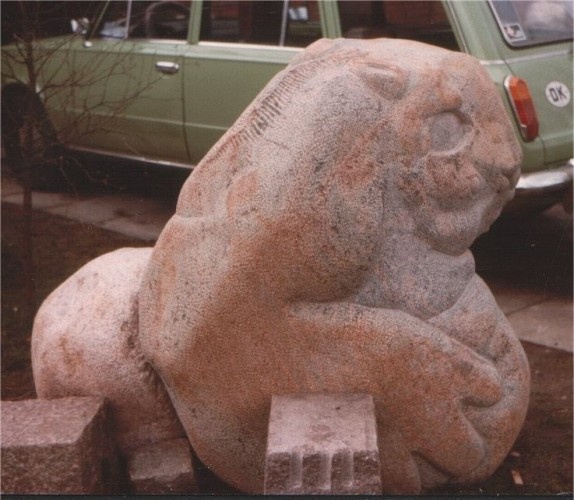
322,246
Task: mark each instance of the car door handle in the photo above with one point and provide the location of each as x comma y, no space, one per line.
167,67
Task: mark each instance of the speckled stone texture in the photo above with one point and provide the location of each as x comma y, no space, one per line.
162,468
322,246
59,446
322,444
85,343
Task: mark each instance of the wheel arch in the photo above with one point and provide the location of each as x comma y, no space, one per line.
19,106
13,97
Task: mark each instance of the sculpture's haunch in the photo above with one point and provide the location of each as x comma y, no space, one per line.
322,246
85,343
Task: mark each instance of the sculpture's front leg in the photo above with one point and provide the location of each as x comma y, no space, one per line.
477,322
424,384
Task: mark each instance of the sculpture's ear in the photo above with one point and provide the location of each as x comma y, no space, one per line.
337,51
313,51
384,79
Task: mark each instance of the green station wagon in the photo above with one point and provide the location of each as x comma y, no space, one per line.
161,81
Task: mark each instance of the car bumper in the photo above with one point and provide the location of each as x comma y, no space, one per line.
551,180
539,190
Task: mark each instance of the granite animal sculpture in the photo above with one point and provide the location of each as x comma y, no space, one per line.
320,246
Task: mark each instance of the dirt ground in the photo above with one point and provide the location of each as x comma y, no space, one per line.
542,456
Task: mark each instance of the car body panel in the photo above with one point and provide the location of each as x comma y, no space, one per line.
237,74
150,122
540,70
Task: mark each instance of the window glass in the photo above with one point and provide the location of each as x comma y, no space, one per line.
50,18
535,22
303,23
114,21
162,19
420,20
291,23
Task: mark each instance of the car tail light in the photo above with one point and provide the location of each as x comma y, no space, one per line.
523,107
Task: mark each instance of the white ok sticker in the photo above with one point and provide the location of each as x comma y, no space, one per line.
558,94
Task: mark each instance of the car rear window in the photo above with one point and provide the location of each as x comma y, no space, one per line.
534,22
423,21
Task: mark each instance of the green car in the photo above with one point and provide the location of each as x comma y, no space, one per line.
161,81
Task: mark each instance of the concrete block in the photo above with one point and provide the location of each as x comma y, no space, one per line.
162,468
57,446
322,444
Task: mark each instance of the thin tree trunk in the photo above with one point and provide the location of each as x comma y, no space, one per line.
28,160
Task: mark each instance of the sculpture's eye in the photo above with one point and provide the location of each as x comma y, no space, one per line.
447,131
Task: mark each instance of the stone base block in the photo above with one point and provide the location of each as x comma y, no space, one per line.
162,468
322,444
58,446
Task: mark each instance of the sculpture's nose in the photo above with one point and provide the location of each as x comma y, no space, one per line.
513,174
501,170
509,167
507,159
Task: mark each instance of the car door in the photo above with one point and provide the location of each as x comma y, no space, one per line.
240,46
128,100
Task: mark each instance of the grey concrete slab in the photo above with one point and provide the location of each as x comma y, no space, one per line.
512,299
145,226
10,187
97,210
12,192
131,228
132,216
548,323
535,316
111,211
88,211
42,201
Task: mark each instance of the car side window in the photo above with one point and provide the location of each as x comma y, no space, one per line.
303,25
114,24
420,20
164,19
268,22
